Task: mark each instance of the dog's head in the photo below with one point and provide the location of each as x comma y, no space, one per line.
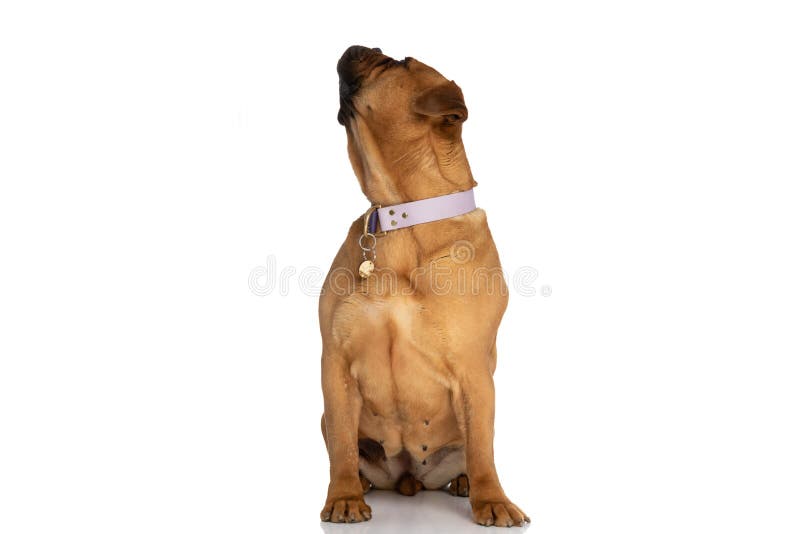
407,94
392,110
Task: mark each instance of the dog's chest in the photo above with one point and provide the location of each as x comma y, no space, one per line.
404,383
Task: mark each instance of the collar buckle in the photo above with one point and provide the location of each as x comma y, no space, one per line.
371,222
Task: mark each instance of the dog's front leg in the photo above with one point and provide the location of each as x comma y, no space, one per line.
475,410
345,501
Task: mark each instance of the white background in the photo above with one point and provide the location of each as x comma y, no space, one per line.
641,156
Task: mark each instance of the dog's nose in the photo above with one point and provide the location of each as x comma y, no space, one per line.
352,67
357,53
351,64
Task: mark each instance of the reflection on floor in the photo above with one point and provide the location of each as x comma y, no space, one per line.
428,512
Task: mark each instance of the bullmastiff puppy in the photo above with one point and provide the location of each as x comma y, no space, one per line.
409,315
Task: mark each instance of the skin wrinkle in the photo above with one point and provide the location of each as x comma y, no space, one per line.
435,142
408,164
377,183
411,161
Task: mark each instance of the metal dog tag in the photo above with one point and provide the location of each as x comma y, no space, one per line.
366,268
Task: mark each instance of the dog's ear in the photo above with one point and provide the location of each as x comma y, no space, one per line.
445,102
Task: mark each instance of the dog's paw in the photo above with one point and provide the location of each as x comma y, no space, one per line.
459,486
346,510
500,514
366,485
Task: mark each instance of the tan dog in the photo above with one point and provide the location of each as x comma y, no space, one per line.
409,352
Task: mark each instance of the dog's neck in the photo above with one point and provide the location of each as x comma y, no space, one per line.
395,172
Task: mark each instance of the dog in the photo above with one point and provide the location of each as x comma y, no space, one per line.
410,308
